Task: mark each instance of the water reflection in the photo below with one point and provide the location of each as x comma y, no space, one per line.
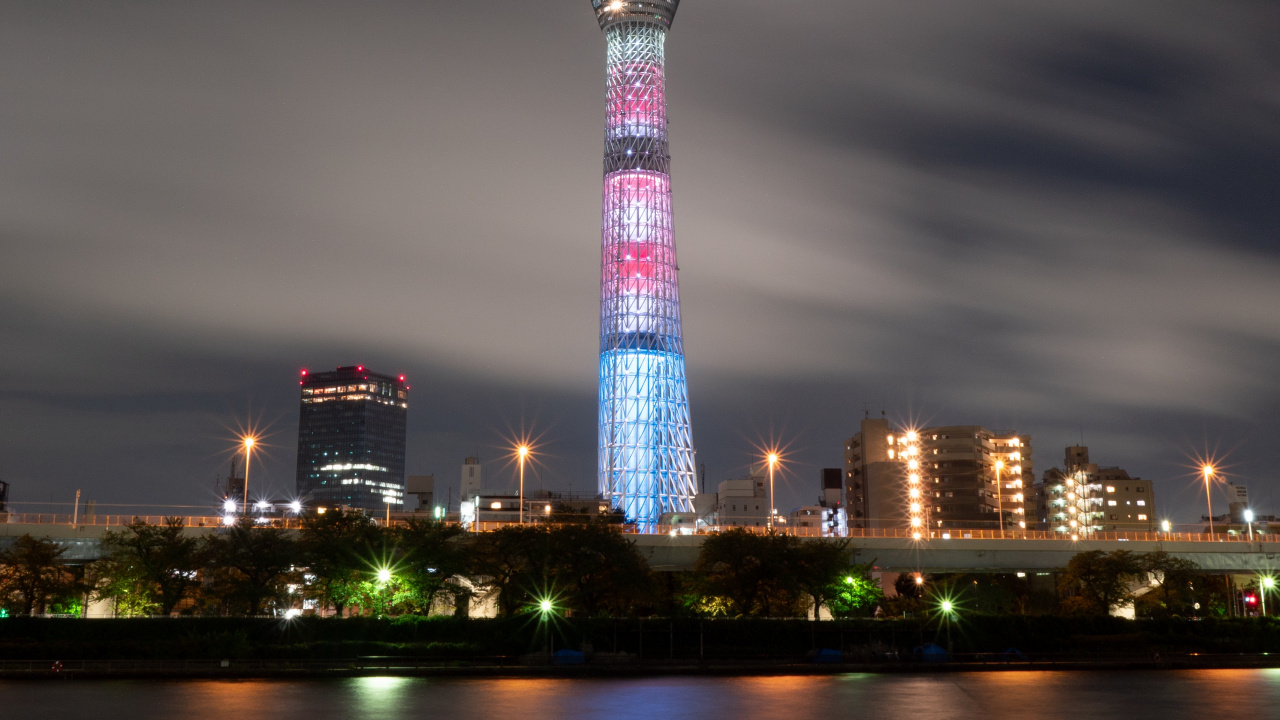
1191,695
381,697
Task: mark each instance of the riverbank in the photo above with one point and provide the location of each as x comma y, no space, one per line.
518,646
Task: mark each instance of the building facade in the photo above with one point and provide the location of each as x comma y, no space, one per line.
936,479
743,502
351,439
646,458
1081,498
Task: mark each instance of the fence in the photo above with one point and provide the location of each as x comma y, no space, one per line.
212,521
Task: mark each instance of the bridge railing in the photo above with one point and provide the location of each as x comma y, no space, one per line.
931,536
119,520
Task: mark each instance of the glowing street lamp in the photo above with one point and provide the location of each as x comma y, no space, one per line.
249,441
1208,473
1267,583
773,462
546,609
522,452
1248,518
384,575
947,609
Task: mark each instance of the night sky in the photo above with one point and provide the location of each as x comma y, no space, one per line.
1056,218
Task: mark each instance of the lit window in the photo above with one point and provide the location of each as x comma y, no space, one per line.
1111,488
1142,517
1142,502
1111,502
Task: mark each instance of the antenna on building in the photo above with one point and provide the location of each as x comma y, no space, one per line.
702,478
866,410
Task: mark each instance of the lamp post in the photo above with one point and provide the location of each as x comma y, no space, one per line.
1208,473
546,608
522,452
1268,583
773,462
1000,496
1248,518
948,613
249,442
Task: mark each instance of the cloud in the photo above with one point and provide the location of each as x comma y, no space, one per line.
1029,214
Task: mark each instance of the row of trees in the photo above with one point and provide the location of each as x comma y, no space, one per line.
346,563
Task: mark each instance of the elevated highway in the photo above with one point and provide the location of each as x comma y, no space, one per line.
886,550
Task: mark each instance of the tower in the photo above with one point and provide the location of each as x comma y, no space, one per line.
351,438
646,448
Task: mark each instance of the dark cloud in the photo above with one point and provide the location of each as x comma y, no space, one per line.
1035,215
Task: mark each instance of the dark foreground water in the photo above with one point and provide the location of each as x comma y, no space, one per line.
1197,695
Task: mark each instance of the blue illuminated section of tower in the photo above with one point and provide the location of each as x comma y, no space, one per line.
646,448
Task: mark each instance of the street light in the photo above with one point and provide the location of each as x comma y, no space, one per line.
384,575
773,462
546,608
249,442
1248,518
1208,473
948,609
522,452
1268,583
1000,496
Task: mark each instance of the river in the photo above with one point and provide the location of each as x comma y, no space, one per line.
1129,695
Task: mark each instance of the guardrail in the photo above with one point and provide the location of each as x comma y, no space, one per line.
931,536
118,520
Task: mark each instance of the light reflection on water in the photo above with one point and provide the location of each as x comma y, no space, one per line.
942,696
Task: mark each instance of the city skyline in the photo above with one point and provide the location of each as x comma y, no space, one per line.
1041,218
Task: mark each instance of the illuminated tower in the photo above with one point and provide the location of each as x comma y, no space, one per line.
646,449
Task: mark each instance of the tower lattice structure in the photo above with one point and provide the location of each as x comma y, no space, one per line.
646,448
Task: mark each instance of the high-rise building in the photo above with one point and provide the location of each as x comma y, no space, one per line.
351,438
937,479
646,447
1082,499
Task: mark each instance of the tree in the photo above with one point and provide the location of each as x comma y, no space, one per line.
512,562
908,595
596,569
1101,579
432,558
856,594
821,567
150,568
1172,581
742,573
249,566
338,549
33,576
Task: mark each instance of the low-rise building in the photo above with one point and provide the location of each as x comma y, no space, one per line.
743,502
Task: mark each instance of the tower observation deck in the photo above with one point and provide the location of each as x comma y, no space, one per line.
646,448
